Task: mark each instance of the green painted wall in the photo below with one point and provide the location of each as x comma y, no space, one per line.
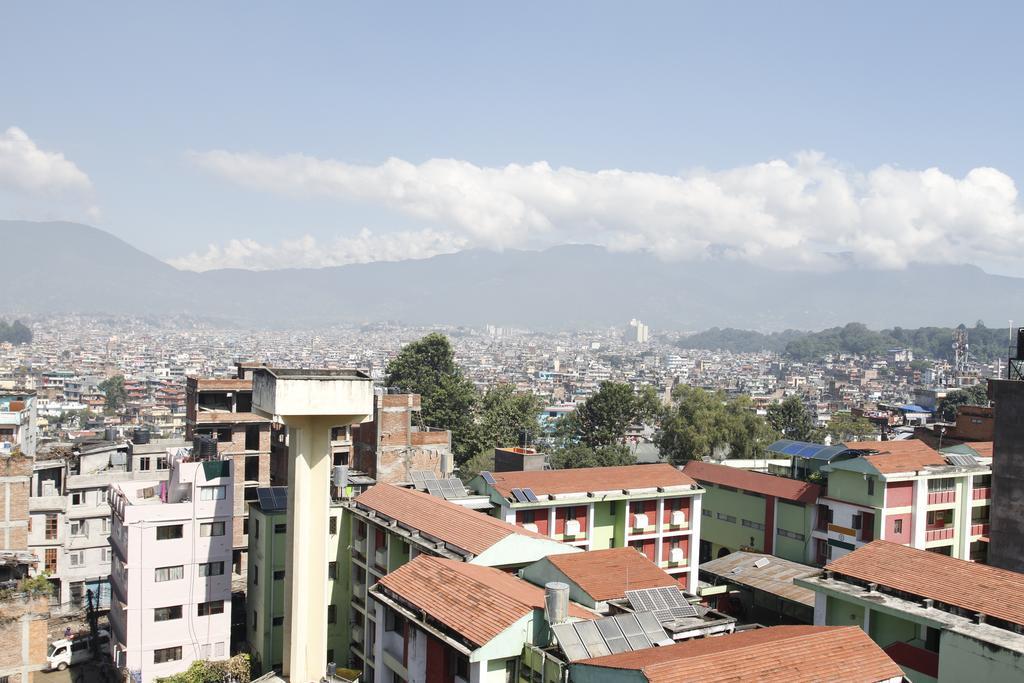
853,488
266,555
731,535
796,518
963,659
886,629
607,526
842,613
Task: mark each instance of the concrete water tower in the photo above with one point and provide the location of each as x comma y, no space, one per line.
310,403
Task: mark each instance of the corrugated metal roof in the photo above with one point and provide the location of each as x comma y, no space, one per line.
776,577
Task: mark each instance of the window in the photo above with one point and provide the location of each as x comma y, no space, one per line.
332,614
871,486
256,528
332,570
77,498
983,481
726,518
211,569
280,528
279,621
106,525
50,561
104,554
171,531
393,621
76,559
705,511
897,526
205,609
169,573
857,521
279,575
161,462
255,575
786,533
211,529
51,527
144,463
946,484
212,492
78,528
753,525
334,525
459,664
527,516
245,526
166,654
167,613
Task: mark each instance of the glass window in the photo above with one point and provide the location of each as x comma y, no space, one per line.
170,531
211,529
332,570
334,525
167,613
211,569
166,654
280,528
205,609
279,575
212,492
169,573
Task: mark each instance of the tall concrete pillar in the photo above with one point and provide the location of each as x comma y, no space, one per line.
310,403
1006,546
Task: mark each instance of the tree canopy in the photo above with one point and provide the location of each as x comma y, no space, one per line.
15,333
578,455
605,417
845,426
113,390
701,422
792,419
976,395
427,367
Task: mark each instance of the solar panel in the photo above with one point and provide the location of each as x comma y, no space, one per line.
668,604
570,642
434,488
633,632
458,489
530,495
272,498
612,635
266,499
281,496
651,625
962,460
592,638
487,477
519,496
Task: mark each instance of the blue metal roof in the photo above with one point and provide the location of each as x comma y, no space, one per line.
914,408
804,449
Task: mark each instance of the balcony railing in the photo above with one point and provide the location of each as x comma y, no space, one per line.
981,493
979,529
938,534
941,497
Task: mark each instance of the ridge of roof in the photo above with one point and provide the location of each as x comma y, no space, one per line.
587,479
907,455
758,482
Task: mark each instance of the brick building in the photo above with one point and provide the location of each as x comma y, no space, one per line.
23,637
391,445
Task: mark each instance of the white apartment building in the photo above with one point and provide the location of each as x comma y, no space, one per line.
171,568
18,413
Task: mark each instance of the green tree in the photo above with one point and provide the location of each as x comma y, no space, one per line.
792,419
606,416
504,413
481,462
15,333
236,669
427,367
845,426
976,395
578,456
701,422
113,390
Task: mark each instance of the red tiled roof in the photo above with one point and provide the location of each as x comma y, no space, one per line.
765,484
464,528
226,417
794,654
608,574
588,479
967,585
476,602
982,448
898,456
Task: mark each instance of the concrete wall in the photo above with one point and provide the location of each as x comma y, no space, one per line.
1006,549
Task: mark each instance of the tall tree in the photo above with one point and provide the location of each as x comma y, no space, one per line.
700,423
448,399
505,413
976,395
845,427
605,417
113,390
578,455
792,419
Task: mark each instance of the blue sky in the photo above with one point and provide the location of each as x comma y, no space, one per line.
200,123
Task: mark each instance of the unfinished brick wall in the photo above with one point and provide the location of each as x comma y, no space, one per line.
22,621
14,495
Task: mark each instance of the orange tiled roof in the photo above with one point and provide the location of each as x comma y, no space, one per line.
765,484
968,585
464,528
898,456
223,384
226,417
476,602
608,574
845,654
982,448
588,479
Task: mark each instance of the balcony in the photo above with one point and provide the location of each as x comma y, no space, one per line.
48,503
940,534
380,559
939,497
359,547
979,529
914,658
981,493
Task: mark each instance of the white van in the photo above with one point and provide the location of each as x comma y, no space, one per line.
67,651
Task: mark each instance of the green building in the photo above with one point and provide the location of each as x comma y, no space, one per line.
755,512
940,618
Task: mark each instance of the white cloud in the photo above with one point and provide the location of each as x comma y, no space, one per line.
796,213
24,167
306,252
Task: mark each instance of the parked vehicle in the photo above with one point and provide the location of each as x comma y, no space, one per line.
75,650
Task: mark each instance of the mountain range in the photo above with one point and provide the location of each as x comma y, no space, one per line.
61,267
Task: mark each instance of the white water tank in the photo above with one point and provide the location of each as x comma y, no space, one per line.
556,602
678,518
640,521
530,526
572,527
675,555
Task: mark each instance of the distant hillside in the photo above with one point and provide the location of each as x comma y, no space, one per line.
65,267
740,341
